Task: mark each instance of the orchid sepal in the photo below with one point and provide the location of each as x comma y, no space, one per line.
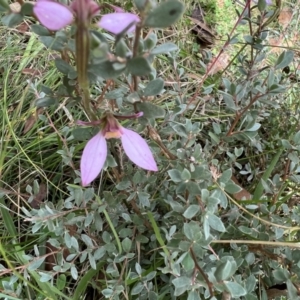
53,15
95,152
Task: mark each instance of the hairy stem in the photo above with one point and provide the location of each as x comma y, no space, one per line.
82,57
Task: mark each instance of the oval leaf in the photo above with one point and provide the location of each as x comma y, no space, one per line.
165,14
45,101
284,59
164,48
150,110
191,211
154,87
139,66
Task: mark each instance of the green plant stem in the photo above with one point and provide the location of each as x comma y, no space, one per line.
138,31
82,56
157,234
111,225
86,101
85,280
260,188
273,17
135,79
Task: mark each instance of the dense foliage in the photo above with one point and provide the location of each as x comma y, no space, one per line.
218,220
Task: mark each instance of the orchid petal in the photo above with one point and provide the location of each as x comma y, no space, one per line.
93,158
52,15
117,9
117,22
137,150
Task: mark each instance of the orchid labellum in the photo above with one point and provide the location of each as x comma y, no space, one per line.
95,151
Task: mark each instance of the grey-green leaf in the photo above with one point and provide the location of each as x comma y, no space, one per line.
126,244
191,211
154,87
84,134
4,5
164,48
106,70
74,272
261,5
27,9
63,66
87,240
235,289
137,289
35,264
57,43
175,175
223,271
191,230
193,295
151,41
186,175
284,59
181,285
44,277
45,101
139,66
232,188
61,281
226,176
40,30
122,49
165,14
12,19
140,4
107,293
215,222
150,110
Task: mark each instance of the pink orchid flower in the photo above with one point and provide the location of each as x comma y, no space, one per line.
55,16
95,151
117,22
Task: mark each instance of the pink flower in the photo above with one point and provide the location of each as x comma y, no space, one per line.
117,22
95,151
55,16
